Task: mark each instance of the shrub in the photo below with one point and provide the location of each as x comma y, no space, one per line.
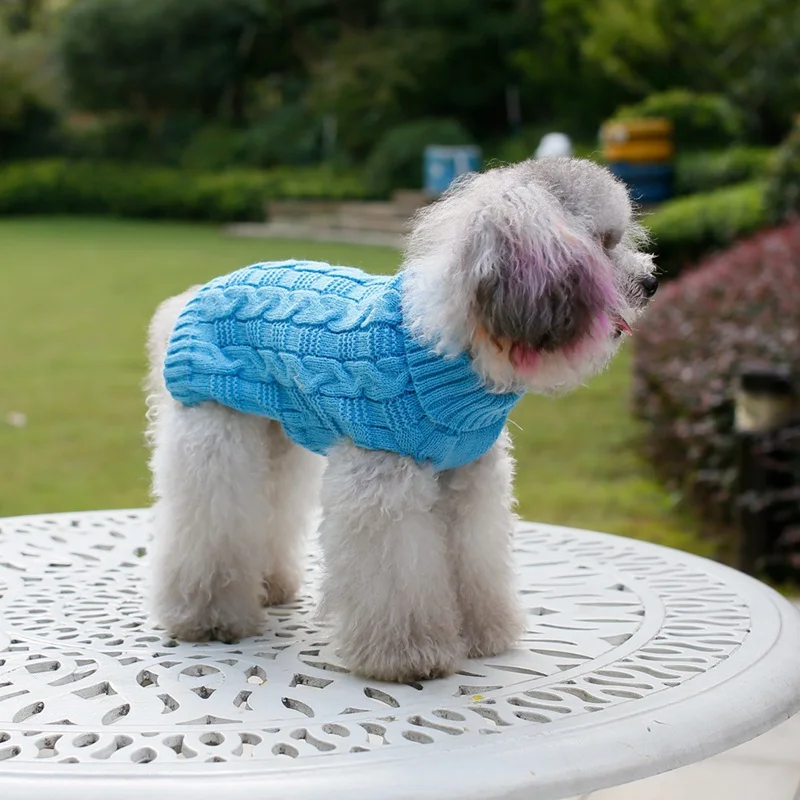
688,228
286,137
63,187
706,170
700,120
738,308
396,160
783,186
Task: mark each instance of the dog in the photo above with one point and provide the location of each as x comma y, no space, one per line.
523,278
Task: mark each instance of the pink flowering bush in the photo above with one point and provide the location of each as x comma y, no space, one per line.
737,309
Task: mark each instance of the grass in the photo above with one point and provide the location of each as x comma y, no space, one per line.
76,298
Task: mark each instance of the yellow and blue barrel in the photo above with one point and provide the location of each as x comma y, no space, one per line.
641,152
442,165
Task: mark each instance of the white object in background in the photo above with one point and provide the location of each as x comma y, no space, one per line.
556,145
16,419
636,659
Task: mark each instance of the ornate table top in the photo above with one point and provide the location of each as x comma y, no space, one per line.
637,659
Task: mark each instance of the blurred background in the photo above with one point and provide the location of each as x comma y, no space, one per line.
146,145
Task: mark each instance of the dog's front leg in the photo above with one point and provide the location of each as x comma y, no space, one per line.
477,502
388,582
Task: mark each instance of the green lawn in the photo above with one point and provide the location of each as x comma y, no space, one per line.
75,300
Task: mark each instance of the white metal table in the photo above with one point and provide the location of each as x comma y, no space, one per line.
637,659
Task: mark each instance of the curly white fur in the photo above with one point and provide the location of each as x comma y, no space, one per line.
534,270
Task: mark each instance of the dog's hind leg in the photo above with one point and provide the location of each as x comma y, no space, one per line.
477,504
294,484
210,471
388,583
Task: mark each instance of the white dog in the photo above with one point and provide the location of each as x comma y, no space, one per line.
521,279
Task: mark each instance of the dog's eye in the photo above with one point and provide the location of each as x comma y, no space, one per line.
610,239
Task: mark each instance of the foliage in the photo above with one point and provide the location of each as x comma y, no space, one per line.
741,307
295,83
688,228
783,187
699,120
705,170
397,160
289,136
745,49
63,187
160,56
27,116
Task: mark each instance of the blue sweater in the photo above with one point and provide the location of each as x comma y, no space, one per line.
324,350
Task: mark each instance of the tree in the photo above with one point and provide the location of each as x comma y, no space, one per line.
745,49
160,56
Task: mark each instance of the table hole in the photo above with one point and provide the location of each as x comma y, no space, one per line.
29,711
425,723
335,730
309,680
285,750
532,716
302,733
380,696
116,714
146,678
376,734
170,703
418,736
297,705
177,744
199,670
144,755
118,743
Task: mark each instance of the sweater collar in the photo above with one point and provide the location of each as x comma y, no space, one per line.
450,391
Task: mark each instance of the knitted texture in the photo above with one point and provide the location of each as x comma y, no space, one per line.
324,350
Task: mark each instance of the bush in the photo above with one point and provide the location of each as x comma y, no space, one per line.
396,161
741,307
286,137
63,187
700,120
706,170
688,228
783,186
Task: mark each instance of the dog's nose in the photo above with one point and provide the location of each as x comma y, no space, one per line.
649,285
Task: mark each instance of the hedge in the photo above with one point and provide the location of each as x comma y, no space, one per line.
688,228
87,187
783,182
741,307
706,170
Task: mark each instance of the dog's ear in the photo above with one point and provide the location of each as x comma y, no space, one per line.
541,283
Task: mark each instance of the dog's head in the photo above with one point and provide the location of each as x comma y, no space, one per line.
534,268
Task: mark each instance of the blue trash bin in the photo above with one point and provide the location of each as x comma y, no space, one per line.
648,183
442,165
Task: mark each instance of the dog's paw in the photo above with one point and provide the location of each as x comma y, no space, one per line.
278,588
402,661
210,628
493,633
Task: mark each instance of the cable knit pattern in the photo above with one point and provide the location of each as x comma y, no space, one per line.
324,350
